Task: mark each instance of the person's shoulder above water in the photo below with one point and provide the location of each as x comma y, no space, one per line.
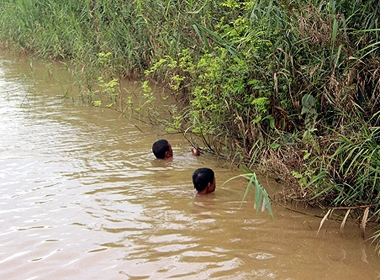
162,149
204,180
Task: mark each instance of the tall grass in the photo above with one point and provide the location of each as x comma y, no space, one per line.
79,30
346,172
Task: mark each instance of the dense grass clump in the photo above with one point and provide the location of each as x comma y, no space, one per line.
291,86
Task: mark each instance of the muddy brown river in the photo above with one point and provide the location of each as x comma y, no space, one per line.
82,197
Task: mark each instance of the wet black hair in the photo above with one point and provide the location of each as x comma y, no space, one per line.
201,178
160,147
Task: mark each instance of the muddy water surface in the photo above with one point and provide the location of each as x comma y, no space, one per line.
82,197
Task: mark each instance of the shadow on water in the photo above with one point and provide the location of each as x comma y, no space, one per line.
82,196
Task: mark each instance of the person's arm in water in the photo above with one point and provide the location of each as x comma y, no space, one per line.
195,151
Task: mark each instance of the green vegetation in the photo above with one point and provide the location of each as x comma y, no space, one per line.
262,199
288,86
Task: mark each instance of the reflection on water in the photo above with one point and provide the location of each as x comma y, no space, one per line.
82,197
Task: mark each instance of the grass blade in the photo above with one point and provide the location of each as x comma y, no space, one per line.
344,221
364,222
326,217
